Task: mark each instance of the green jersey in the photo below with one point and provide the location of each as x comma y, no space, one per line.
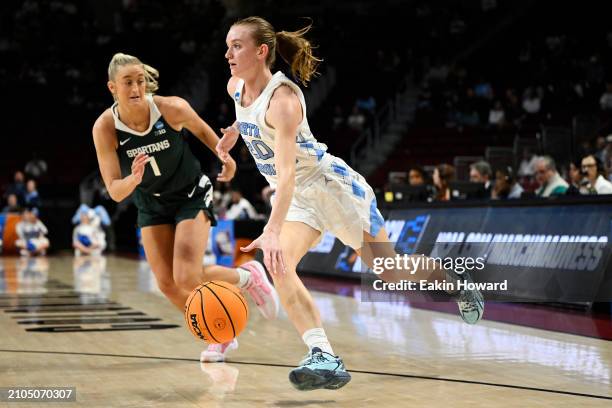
171,167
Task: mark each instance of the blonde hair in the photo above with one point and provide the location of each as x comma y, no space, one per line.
293,48
120,60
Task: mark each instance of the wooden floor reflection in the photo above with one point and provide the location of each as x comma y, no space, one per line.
102,326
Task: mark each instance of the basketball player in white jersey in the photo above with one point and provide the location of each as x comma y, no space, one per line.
143,152
315,191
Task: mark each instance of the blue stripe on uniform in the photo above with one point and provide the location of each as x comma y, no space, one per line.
376,220
339,169
357,190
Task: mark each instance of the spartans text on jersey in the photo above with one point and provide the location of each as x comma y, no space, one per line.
150,148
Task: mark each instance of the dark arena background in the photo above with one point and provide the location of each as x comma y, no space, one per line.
483,126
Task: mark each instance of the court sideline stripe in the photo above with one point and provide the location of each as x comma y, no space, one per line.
421,377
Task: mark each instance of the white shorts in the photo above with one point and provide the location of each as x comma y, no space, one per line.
339,200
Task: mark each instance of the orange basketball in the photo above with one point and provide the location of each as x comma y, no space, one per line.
216,312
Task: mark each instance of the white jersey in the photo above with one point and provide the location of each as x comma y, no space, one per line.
30,230
259,137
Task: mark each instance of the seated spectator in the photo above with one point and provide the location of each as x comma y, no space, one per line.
483,89
600,148
17,187
497,116
31,234
506,186
36,167
240,208
417,177
87,237
531,101
547,177
338,119
12,205
606,98
442,176
356,119
32,199
527,165
480,172
366,104
575,178
596,175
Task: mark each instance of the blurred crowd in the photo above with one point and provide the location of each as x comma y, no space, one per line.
537,176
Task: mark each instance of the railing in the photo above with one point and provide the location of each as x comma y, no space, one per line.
371,136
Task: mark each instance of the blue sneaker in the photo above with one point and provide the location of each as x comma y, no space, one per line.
470,302
319,370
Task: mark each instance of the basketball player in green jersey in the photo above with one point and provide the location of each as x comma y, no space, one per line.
141,151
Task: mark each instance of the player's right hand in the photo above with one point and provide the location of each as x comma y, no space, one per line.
227,142
138,166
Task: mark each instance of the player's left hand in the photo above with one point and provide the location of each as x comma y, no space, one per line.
227,170
269,242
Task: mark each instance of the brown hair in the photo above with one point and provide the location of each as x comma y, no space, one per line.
151,74
447,174
293,48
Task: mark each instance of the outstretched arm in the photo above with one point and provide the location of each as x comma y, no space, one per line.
180,114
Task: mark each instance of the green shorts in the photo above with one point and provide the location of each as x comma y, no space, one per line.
174,207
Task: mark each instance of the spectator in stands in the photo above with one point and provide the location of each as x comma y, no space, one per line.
417,176
366,104
31,234
338,119
240,208
575,178
480,172
497,116
531,101
513,112
36,167
606,98
17,188
527,165
12,205
483,89
506,186
600,148
595,173
32,199
356,119
442,176
549,180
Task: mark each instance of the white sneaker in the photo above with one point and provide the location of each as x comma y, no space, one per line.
215,353
261,290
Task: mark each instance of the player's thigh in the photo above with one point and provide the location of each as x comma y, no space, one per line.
190,241
158,243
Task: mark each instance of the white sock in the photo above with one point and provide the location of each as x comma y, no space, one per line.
316,338
243,277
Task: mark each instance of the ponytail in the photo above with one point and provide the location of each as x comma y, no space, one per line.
296,51
293,48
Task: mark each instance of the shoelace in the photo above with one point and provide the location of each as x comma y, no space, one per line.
315,358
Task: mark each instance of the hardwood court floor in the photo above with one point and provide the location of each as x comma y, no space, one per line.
102,326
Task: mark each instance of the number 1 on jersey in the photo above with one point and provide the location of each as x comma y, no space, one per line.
154,166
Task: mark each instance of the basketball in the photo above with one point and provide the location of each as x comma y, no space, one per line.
216,312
